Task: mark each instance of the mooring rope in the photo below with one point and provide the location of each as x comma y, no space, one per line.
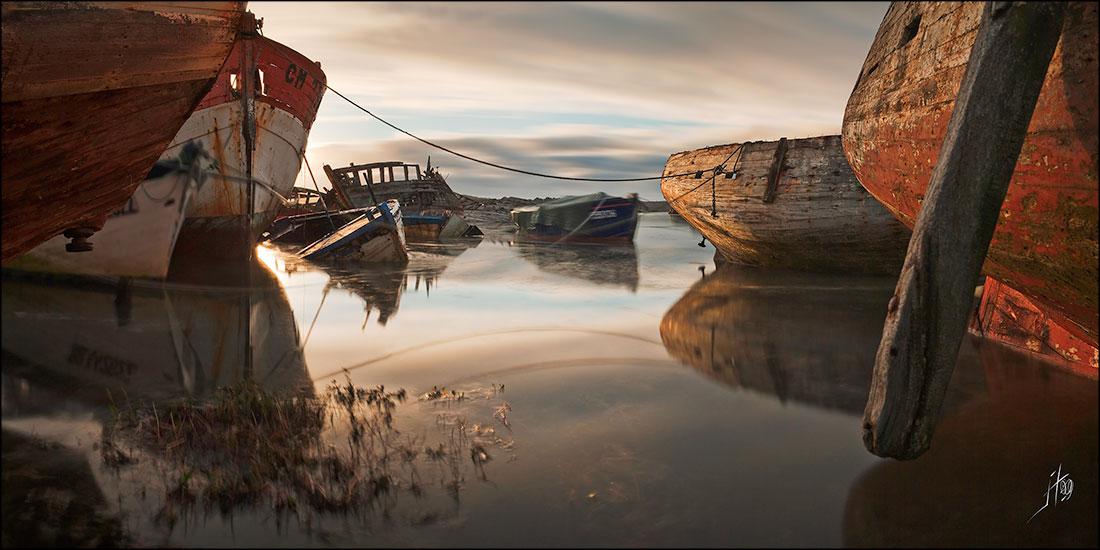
493,164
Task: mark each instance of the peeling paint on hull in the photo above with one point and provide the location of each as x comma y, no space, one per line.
78,138
219,224
821,218
1045,245
1009,317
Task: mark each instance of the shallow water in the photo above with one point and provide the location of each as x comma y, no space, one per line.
654,400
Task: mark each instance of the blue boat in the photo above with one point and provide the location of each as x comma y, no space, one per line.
598,217
377,235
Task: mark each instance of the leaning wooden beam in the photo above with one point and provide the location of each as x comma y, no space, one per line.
926,319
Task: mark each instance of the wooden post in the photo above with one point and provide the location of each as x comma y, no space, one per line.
926,319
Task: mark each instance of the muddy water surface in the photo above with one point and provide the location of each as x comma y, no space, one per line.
623,396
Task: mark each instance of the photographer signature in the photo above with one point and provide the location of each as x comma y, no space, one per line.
1061,486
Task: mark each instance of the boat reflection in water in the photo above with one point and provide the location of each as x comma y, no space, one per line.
103,340
381,285
989,468
612,265
1008,420
807,337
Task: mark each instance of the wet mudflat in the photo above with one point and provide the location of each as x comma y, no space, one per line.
601,396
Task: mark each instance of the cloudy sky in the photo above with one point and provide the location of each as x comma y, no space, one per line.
603,90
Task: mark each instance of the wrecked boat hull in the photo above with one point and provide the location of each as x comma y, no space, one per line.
1045,243
79,137
375,236
818,217
220,222
432,209
136,240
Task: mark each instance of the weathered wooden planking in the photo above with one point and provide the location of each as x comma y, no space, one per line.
1045,244
927,317
821,218
79,137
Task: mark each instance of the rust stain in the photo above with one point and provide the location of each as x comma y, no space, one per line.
1045,244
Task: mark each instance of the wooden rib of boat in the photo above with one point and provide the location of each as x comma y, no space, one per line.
92,94
375,236
255,121
432,210
788,204
596,218
1045,244
136,240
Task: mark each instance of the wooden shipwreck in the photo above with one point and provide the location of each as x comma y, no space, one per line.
92,94
433,210
788,204
1045,242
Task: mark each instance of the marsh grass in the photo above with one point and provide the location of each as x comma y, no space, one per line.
337,453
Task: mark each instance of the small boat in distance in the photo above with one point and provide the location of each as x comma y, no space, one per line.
137,240
433,211
597,217
92,94
792,204
375,236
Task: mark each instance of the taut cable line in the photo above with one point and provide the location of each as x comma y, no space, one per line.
493,164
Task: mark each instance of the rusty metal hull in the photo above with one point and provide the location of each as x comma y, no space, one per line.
821,218
1045,245
219,222
1009,317
92,94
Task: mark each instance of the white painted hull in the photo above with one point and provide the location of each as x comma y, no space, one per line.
219,222
136,241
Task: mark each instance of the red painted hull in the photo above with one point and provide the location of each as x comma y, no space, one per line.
1045,245
1009,317
92,94
220,221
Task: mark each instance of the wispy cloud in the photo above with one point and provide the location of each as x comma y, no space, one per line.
634,81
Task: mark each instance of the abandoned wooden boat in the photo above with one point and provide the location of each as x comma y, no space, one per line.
790,204
596,218
302,229
144,340
256,121
92,94
432,210
1045,244
375,236
137,240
